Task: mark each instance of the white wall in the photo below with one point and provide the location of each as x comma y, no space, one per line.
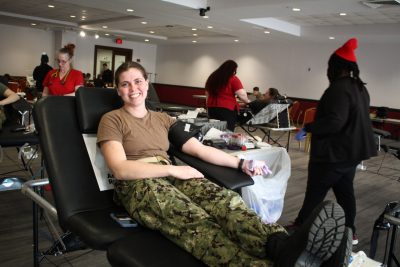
21,48
297,70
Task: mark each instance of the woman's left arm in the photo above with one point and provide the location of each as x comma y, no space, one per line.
215,156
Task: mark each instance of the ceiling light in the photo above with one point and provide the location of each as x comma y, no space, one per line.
146,40
104,27
83,17
130,10
210,27
205,17
194,34
33,24
96,36
194,29
236,40
151,32
50,6
331,38
107,34
82,33
296,9
72,16
194,41
144,22
267,32
83,11
342,14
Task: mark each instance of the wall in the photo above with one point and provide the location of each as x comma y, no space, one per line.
296,69
21,47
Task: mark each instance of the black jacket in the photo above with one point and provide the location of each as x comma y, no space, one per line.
342,129
39,73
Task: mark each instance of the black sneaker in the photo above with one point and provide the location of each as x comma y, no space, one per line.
341,258
316,240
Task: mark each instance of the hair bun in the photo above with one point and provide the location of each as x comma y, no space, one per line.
70,47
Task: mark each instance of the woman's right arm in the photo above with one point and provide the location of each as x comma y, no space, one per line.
242,94
124,169
45,91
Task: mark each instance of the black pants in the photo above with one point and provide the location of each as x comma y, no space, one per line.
224,114
321,178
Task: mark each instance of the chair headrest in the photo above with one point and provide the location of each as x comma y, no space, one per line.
92,104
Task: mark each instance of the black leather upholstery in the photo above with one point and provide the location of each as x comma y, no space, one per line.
226,177
9,138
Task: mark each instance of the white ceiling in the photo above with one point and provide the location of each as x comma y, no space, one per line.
170,23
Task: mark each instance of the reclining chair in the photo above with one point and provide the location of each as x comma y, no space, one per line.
80,206
15,134
274,117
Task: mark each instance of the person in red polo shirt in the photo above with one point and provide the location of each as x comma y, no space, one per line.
222,87
64,80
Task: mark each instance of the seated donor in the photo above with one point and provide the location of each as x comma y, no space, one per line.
7,96
64,80
272,94
208,221
256,95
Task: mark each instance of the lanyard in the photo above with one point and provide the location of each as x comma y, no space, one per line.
62,81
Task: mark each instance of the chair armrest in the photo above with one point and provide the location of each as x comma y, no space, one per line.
381,132
223,176
28,190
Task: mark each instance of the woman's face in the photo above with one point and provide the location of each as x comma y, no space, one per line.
64,62
267,96
132,87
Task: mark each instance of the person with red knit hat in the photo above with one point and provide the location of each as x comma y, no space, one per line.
342,136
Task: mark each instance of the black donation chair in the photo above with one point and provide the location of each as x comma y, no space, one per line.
81,207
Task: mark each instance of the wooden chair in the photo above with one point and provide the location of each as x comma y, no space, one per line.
309,116
293,110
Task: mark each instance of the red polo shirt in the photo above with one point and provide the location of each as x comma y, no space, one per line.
226,97
66,85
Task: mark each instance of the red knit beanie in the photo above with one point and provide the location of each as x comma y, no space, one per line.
347,50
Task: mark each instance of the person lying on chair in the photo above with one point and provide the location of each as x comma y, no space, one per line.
271,95
7,96
208,221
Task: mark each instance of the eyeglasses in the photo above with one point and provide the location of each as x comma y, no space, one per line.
125,84
62,62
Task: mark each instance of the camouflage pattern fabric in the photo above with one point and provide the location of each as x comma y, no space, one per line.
210,222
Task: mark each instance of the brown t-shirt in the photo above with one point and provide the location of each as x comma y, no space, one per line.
140,137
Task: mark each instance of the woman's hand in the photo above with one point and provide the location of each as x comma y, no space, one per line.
185,172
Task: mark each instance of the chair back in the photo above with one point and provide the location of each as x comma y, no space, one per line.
269,113
293,110
67,161
309,115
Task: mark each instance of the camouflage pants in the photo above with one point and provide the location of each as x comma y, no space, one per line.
210,222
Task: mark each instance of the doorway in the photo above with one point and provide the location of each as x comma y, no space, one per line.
112,56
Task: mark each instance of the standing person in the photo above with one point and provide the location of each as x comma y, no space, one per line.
342,136
64,80
210,222
107,75
222,87
40,72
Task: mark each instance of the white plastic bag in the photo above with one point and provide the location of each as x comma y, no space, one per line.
266,196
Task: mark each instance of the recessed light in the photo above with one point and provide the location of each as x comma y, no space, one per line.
236,40
84,17
104,27
151,32
33,24
296,9
107,34
146,40
210,27
96,36
267,32
82,33
194,29
342,14
130,10
72,16
194,34
331,38
194,41
205,17
51,6
144,22
83,11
